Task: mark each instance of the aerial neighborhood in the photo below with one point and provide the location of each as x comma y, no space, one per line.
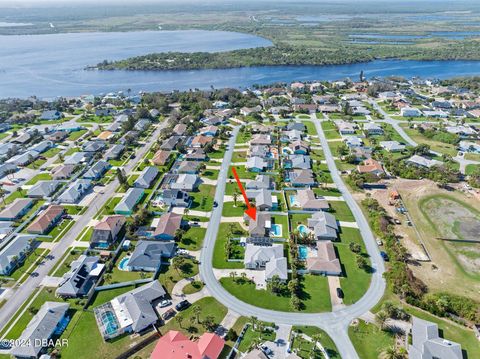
124,226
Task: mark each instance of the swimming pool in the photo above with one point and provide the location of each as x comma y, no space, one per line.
276,230
109,323
293,200
123,264
303,229
302,252
287,151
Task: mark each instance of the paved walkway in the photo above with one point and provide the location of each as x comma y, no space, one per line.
333,284
348,224
227,323
191,212
209,181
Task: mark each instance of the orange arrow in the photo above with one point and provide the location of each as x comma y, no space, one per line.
251,211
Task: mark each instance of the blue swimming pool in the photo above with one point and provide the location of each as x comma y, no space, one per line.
123,265
276,230
303,229
109,323
302,252
293,200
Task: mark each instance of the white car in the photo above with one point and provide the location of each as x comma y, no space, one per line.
165,303
182,251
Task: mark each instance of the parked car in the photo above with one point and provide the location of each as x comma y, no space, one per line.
165,303
339,293
168,314
215,204
182,251
397,221
267,350
384,256
379,242
184,304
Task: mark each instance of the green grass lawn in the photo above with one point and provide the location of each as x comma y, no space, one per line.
219,260
73,210
193,238
355,281
315,295
217,154
244,136
193,287
76,135
369,341
58,231
239,156
209,306
36,164
232,187
242,172
250,335
108,207
327,192
230,210
210,174
444,148
283,222
71,151
13,196
326,341
35,258
202,199
341,211
70,256
169,276
51,152
85,234
40,177
470,169
118,276
299,218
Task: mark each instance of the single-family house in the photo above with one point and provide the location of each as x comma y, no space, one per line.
17,209
15,252
324,226
97,170
301,178
46,220
48,322
160,158
427,343
392,146
129,201
307,201
166,226
148,255
325,261
371,128
260,182
146,177
410,112
78,281
256,164
186,182
114,152
371,166
62,172
51,115
421,161
175,345
75,191
106,231
179,129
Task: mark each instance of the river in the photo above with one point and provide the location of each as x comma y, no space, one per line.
53,65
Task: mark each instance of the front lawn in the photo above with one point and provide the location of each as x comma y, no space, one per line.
315,294
60,269
33,259
219,260
59,230
230,210
193,238
325,340
369,341
341,211
40,177
202,199
169,276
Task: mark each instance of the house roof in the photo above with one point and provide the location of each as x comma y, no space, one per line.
168,224
13,249
110,223
175,345
307,199
15,208
74,281
129,200
326,260
45,219
137,304
370,166
254,253
41,327
146,177
277,267
148,254
160,157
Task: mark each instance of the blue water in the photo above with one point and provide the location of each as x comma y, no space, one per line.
109,322
302,252
293,200
123,265
302,229
53,65
276,230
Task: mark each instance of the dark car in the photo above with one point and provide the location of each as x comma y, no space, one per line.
384,256
215,204
339,293
184,304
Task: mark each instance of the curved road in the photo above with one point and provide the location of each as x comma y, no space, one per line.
334,323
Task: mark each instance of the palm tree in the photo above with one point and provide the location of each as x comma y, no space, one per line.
179,320
381,318
186,211
177,263
233,275
254,321
243,275
2,195
392,352
235,197
197,310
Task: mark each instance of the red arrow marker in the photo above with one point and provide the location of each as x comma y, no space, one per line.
251,211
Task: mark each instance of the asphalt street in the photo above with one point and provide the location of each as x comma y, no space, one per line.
334,323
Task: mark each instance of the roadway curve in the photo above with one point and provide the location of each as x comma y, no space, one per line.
334,323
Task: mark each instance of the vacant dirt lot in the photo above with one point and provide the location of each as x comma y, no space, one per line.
438,213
